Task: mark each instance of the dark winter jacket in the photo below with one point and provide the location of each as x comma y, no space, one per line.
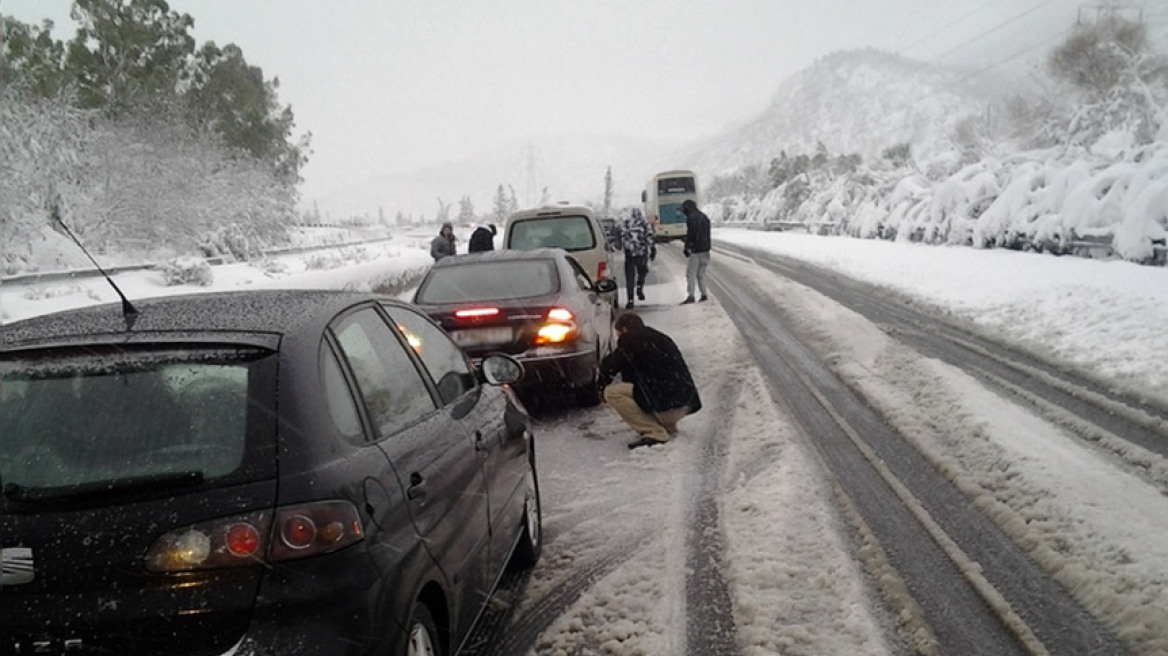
697,229
650,360
442,246
482,239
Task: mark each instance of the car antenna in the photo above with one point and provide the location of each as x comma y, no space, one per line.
129,312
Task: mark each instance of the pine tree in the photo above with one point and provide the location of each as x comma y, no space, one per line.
513,202
502,206
466,212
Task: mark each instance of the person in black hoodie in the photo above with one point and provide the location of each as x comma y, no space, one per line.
482,239
656,389
697,249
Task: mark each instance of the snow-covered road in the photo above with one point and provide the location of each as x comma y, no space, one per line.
743,490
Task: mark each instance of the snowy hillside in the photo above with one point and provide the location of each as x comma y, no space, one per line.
859,101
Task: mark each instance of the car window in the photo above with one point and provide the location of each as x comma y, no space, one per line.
339,396
488,281
571,233
73,420
394,392
446,363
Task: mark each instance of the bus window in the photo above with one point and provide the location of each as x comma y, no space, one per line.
675,186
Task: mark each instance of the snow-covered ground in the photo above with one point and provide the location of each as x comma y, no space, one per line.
1100,526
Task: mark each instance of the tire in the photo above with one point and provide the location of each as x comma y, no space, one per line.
530,546
422,638
588,396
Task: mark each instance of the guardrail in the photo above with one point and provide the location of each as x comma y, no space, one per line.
71,274
1081,245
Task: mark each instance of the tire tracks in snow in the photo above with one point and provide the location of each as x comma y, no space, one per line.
710,626
993,600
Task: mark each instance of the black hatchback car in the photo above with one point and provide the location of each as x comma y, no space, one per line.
539,306
261,473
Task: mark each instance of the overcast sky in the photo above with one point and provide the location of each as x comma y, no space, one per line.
390,86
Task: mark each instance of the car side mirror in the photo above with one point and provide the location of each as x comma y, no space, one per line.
606,286
500,369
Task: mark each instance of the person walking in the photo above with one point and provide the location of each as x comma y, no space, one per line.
640,247
443,245
482,239
697,249
656,389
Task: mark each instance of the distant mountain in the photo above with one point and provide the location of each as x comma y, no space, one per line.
859,101
570,167
855,101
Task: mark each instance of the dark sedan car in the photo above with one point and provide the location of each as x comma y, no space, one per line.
261,473
539,306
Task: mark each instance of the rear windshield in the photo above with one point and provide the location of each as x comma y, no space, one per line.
666,186
78,418
488,281
571,233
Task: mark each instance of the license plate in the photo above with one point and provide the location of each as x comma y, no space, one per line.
481,336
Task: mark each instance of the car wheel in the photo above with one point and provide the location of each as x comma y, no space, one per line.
588,396
531,543
423,635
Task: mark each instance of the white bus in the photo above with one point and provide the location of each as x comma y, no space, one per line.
662,199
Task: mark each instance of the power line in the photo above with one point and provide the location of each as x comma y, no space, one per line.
995,28
946,26
1010,58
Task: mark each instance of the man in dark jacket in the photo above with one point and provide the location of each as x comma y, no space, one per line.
656,389
482,239
697,249
443,245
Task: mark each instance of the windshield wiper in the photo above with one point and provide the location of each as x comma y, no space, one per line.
113,487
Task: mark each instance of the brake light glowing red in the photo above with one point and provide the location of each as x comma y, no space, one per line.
476,313
560,314
602,271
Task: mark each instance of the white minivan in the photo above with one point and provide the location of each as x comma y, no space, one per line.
573,228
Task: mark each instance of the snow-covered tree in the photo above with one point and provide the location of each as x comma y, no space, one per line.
501,209
466,211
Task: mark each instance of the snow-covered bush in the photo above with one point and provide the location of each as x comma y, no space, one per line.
186,271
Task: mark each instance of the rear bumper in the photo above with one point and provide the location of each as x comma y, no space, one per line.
556,371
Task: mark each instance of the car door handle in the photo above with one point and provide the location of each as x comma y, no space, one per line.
417,486
479,444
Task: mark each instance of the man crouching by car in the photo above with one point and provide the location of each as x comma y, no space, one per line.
656,389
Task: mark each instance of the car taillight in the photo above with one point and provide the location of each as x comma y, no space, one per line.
602,271
559,326
476,313
291,532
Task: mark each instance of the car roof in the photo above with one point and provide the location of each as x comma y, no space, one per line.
503,255
253,311
552,210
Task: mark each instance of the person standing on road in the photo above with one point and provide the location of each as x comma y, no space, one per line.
482,239
656,389
697,249
443,244
638,243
